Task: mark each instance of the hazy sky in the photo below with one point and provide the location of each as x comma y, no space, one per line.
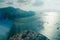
41,5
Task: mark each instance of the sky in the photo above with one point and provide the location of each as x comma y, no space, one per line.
34,5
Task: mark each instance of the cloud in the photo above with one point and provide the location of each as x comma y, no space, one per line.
35,5
2,0
38,3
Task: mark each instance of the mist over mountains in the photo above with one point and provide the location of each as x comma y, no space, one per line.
17,20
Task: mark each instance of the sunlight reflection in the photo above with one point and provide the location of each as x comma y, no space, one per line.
49,27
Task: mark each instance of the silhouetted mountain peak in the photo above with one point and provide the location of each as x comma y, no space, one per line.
12,12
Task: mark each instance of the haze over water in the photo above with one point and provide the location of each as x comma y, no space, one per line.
51,24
